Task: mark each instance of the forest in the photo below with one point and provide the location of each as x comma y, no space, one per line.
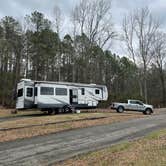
36,48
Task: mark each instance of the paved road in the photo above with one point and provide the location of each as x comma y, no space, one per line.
46,150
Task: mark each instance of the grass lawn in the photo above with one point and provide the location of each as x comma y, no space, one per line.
148,151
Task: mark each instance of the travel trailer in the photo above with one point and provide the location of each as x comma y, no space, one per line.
55,96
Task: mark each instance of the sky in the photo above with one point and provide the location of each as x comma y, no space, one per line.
19,8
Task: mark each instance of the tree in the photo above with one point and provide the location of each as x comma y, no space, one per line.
139,29
38,24
68,58
93,18
159,57
11,52
58,24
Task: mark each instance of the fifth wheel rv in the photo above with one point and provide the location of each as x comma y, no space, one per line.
55,96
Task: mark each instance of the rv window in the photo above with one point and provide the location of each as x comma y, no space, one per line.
35,91
20,92
83,91
46,91
29,92
61,91
97,91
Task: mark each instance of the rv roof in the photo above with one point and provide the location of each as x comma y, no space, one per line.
63,83
67,83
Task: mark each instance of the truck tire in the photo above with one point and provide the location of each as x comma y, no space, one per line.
148,111
120,109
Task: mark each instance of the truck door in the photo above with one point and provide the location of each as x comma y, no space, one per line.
140,106
133,105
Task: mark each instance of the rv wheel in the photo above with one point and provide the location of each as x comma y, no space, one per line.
66,109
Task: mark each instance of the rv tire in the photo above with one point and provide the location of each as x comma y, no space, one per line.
67,109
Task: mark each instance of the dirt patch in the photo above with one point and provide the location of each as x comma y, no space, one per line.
5,113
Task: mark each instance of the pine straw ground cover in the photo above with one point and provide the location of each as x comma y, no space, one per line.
148,151
53,128
5,113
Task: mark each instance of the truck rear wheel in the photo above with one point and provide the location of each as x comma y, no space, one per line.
120,109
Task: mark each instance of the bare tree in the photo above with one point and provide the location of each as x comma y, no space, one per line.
159,57
128,36
57,14
58,24
93,18
139,29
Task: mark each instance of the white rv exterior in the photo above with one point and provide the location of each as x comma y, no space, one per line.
54,95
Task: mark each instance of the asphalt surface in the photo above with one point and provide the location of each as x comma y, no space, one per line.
49,149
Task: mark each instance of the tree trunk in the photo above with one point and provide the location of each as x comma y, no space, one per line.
145,85
145,91
163,88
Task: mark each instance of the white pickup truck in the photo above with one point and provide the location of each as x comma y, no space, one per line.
133,105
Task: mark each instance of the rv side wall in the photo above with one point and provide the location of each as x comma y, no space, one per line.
52,96
45,95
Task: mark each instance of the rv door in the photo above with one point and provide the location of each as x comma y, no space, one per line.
73,96
29,97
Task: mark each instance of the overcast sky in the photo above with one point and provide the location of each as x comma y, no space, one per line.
19,8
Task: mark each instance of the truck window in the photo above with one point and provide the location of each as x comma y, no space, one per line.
61,91
136,102
133,102
46,91
29,92
20,93
139,102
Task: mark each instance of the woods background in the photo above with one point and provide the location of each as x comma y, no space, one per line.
36,48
